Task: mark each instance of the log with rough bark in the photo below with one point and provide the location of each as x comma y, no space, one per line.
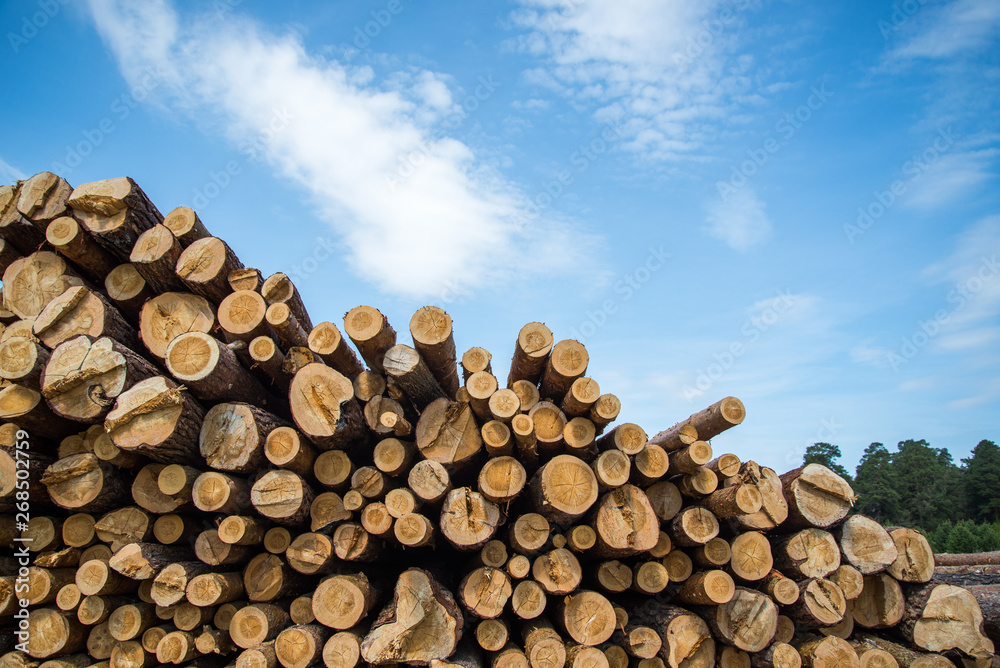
70,240
84,377
21,232
282,496
411,373
447,433
128,290
22,360
371,333
204,268
563,490
211,370
325,411
243,316
685,637
78,311
159,419
977,559
326,342
186,225
914,557
431,330
115,211
232,436
809,553
84,483
625,523
567,361
531,351
154,256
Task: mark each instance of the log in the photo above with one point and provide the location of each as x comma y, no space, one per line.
468,519
431,329
821,603
504,405
84,483
413,376
255,624
941,617
212,372
43,198
208,589
474,360
978,559
186,225
78,311
531,352
97,578
649,465
123,526
542,645
567,362
282,496
243,530
809,553
33,281
549,425
582,395
176,647
685,637
693,526
666,500
204,267
447,434
128,290
865,545
625,523
497,439
84,377
232,436
26,407
270,361
326,342
212,551
167,316
749,621
704,482
371,333
324,408
158,419
301,645
286,448
171,582
480,387
288,329
484,592
558,571
732,501
717,418
778,655
817,497
826,652
563,490
690,458
214,492
296,358
21,232
783,590
914,557
115,211
502,479
604,411
22,360
421,623
527,394
154,256
708,588
881,603
725,466
242,316
849,579
627,437
53,633
612,469
587,617
71,241
751,558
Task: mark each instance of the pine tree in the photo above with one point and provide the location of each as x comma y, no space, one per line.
962,539
827,455
982,482
930,484
939,537
875,485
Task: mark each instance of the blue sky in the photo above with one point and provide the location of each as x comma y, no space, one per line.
793,203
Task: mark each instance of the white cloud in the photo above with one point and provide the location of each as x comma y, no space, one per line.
663,69
950,177
869,354
418,211
949,29
9,173
740,220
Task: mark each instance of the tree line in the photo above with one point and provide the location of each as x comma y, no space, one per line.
956,506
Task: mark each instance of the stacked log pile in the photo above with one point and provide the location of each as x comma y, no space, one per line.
216,480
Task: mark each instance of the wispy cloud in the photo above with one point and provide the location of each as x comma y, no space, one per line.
741,220
949,29
951,177
664,69
9,173
446,222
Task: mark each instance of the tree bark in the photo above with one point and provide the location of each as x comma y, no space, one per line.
155,256
204,267
158,419
71,241
326,341
324,408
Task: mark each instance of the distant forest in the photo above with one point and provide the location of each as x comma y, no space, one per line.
956,506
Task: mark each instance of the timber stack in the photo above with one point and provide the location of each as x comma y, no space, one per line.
216,479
